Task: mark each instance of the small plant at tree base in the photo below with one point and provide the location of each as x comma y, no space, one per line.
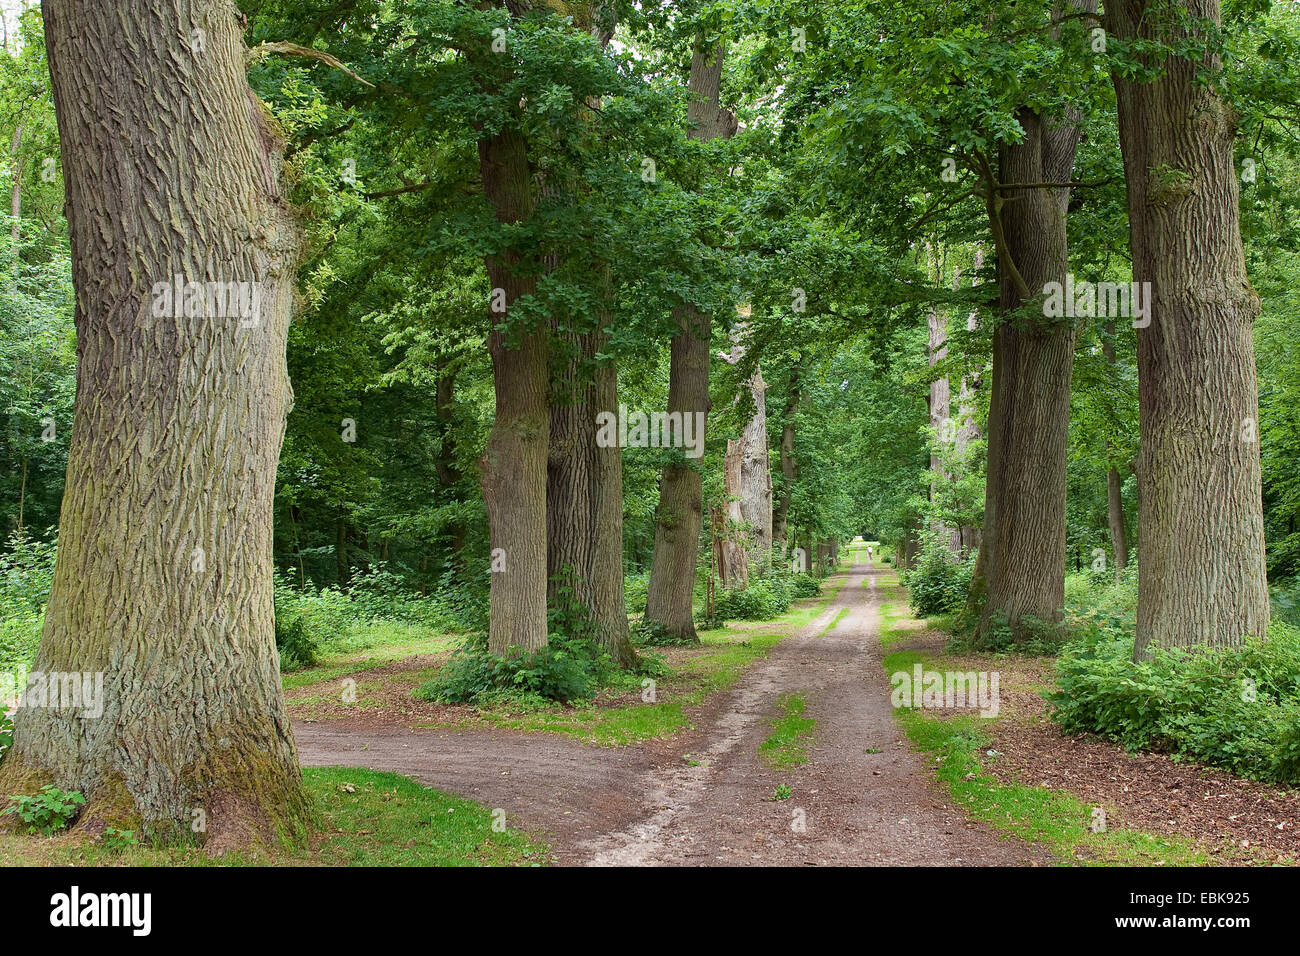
115,839
654,634
46,812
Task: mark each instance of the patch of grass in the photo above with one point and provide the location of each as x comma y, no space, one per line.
369,646
365,818
1057,819
835,622
791,734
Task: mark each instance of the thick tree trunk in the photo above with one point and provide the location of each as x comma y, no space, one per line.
585,498
669,602
734,567
163,583
1022,555
940,404
513,466
1201,577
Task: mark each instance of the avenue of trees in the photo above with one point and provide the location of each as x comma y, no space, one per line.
579,318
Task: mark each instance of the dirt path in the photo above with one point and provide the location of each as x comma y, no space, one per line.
651,805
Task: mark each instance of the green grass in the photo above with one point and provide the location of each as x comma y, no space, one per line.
834,623
791,734
960,753
365,818
368,646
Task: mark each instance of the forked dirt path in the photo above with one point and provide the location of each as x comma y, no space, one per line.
706,797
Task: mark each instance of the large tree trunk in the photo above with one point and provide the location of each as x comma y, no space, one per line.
585,498
584,495
163,583
733,568
1201,577
513,467
1022,555
669,602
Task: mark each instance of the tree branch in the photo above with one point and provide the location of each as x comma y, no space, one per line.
285,48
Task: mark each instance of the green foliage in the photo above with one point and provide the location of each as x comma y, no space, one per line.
307,620
938,584
654,634
117,840
567,669
6,732
804,586
1235,707
46,812
26,570
297,642
764,599
636,588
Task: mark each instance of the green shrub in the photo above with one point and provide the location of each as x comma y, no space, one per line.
565,670
1235,707
804,585
764,599
46,812
938,584
26,571
636,590
6,732
297,640
653,634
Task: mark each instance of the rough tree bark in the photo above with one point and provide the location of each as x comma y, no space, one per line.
513,466
1021,566
163,583
585,497
584,494
1201,578
669,602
